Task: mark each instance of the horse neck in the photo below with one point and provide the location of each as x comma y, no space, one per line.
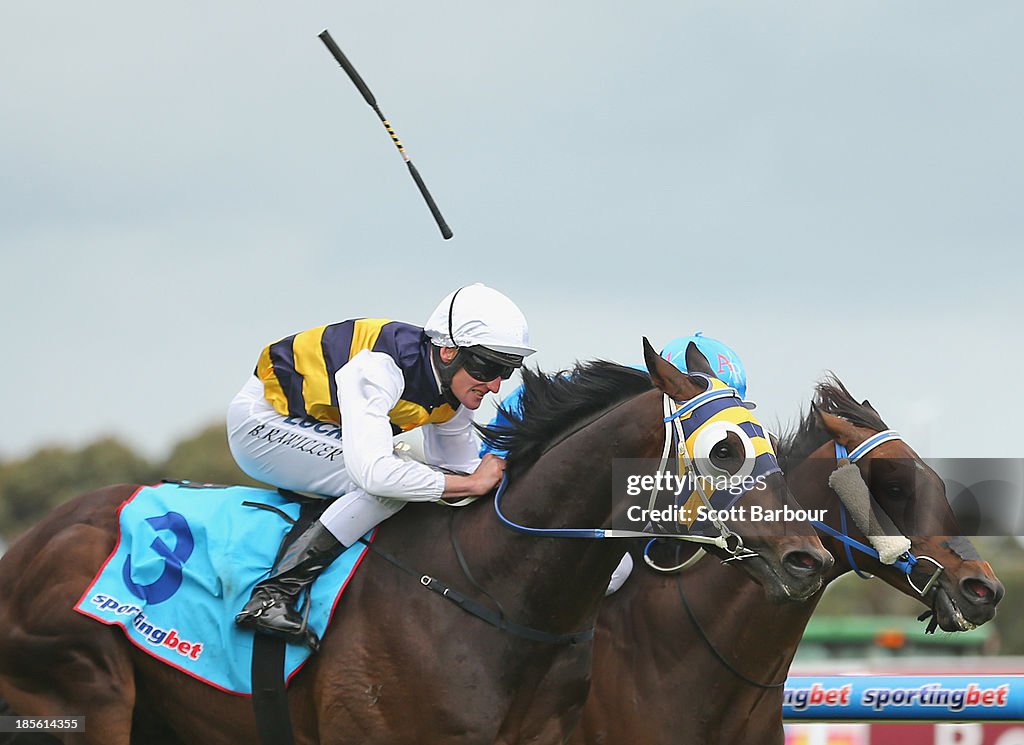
772,633
756,637
556,582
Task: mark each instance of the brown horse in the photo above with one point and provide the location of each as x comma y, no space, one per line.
397,664
708,629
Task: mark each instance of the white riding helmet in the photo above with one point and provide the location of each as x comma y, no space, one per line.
479,316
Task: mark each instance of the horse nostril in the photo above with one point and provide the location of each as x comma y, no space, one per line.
803,562
979,590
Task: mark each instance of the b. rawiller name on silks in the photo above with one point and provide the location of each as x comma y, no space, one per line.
293,438
153,634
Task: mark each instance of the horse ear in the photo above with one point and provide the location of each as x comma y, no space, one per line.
844,432
652,359
867,404
696,362
669,378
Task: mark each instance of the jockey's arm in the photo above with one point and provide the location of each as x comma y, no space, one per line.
369,386
454,445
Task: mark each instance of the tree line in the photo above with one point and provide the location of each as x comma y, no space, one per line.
32,486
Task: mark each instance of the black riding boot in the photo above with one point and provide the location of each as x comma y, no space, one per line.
271,609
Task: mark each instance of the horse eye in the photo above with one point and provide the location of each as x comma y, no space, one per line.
895,491
721,450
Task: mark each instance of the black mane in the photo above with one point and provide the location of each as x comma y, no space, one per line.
830,396
553,403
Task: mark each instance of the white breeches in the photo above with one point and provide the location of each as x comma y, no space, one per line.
302,455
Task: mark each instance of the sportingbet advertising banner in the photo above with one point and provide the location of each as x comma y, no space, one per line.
909,697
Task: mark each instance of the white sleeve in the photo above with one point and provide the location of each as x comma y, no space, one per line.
455,444
369,385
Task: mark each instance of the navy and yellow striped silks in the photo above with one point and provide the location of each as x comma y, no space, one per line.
727,409
298,371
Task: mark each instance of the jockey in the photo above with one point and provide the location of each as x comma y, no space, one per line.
320,413
723,360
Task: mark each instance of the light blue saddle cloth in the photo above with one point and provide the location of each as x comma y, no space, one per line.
186,561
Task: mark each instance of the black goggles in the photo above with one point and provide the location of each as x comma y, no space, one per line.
485,370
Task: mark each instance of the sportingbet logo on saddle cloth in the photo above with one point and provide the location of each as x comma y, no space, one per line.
186,561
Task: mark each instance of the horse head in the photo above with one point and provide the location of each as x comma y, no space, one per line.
739,480
896,503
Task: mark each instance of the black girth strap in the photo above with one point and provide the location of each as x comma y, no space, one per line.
269,698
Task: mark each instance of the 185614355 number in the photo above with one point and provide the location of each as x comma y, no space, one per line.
42,724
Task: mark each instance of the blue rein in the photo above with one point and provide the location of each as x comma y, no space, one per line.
549,532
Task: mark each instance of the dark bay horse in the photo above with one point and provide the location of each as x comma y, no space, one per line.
707,628
397,664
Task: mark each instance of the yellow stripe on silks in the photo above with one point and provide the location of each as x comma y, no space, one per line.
407,415
324,412
272,390
308,356
364,334
441,414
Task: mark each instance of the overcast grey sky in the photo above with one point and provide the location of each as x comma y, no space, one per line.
821,185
